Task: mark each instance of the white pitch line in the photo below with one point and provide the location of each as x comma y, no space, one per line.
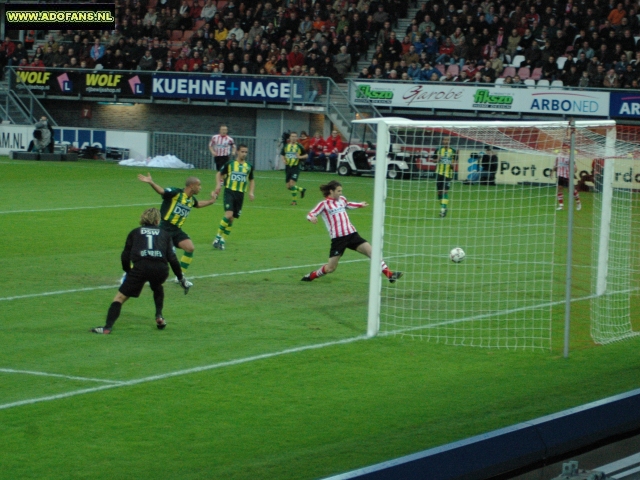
61,209
68,377
240,361
211,275
188,371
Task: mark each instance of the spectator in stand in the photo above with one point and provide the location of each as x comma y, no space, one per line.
147,62
571,76
517,82
47,58
605,56
315,151
19,54
328,70
496,64
532,56
195,12
333,146
513,43
474,51
431,47
611,79
550,69
616,15
295,58
597,80
342,63
445,52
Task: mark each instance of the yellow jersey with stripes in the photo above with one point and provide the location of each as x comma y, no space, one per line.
237,175
176,206
290,152
446,158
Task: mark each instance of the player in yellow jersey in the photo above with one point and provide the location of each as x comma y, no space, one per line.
292,152
446,157
237,176
176,206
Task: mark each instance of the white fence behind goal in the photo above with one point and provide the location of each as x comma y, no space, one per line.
501,295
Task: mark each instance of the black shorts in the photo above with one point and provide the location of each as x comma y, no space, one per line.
233,202
176,234
340,244
443,183
144,271
563,182
220,161
291,173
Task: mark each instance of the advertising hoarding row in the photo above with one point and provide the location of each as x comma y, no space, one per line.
144,85
445,96
456,96
18,137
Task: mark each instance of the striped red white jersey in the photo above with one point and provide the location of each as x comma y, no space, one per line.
562,165
221,145
334,214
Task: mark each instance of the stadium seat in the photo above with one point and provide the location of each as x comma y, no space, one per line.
508,72
537,73
543,83
560,62
569,49
524,72
153,3
517,60
454,70
530,82
176,35
499,81
199,24
557,84
187,35
440,68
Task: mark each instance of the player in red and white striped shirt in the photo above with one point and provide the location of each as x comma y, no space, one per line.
333,210
221,147
562,170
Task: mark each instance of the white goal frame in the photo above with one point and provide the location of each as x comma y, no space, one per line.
380,191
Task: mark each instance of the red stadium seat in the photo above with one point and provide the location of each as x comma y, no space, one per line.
454,70
176,35
440,68
508,72
524,73
537,73
187,35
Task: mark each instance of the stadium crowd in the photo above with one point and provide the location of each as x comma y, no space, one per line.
581,43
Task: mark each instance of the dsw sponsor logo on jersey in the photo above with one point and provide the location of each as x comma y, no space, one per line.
182,211
238,177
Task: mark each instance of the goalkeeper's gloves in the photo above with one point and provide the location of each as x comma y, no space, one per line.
186,284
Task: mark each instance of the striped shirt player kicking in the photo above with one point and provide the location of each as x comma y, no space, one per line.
561,168
333,210
222,146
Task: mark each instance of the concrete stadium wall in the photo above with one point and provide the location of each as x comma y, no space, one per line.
515,447
154,117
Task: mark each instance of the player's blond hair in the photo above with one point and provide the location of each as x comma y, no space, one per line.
150,217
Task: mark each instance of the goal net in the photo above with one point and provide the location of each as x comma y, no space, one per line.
498,202
616,227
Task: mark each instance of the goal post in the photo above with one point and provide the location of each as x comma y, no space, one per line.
506,221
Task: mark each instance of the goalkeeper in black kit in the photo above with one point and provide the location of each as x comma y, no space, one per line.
149,248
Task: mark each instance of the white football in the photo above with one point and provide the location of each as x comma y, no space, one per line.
457,255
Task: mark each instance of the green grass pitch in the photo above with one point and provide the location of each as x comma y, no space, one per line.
257,375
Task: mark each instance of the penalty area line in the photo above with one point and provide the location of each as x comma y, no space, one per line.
178,373
58,375
197,277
